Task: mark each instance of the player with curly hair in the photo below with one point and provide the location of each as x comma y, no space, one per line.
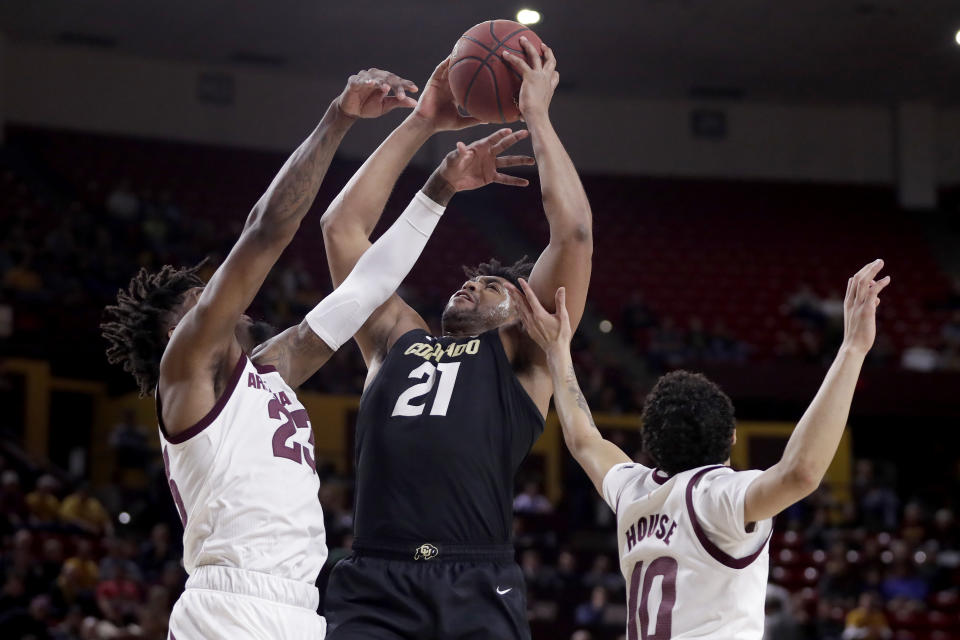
693,534
237,444
446,420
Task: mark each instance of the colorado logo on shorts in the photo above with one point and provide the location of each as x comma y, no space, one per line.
426,551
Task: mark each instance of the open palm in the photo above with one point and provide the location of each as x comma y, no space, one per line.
478,164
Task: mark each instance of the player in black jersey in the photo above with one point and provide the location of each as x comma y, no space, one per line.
445,421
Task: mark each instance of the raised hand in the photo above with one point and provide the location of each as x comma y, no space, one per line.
478,164
374,92
860,307
437,107
540,77
551,331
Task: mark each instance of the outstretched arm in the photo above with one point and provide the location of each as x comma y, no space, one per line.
299,351
552,333
204,339
814,442
566,262
352,216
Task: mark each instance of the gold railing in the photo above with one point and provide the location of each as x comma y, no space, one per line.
332,417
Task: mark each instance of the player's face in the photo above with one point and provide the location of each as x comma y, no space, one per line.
481,304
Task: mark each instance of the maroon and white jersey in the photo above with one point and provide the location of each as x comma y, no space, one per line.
693,570
245,482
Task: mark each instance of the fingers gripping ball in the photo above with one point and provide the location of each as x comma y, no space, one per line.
483,85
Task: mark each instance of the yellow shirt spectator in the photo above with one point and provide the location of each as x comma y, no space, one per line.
85,572
85,511
867,621
44,507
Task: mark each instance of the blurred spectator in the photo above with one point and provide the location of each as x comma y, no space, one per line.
531,500
919,357
867,621
724,347
876,501
32,623
779,623
84,511
903,582
51,561
667,349
804,305
71,627
116,558
14,593
591,613
128,440
43,503
601,575
637,317
697,340
83,566
13,506
540,580
119,597
157,552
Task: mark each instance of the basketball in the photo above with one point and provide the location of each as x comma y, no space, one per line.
483,84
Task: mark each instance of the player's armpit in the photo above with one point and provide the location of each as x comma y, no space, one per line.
391,320
296,354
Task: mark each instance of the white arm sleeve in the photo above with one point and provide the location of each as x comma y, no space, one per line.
377,274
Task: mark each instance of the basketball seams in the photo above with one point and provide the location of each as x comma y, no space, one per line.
484,62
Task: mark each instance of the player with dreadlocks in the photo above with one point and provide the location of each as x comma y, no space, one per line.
237,444
445,421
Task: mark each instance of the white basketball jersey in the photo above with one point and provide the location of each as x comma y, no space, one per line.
692,568
245,482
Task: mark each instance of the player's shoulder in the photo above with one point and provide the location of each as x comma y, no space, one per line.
717,475
624,481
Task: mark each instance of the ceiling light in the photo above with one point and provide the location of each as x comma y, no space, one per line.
529,16
957,37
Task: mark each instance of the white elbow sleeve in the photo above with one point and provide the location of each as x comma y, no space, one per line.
377,274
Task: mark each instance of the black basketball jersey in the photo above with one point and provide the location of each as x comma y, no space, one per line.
441,432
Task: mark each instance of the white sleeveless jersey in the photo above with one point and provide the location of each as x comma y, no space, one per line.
245,482
692,568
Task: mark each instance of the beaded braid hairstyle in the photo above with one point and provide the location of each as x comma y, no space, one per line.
136,327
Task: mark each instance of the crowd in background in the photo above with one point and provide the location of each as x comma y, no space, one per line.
58,251
85,565
106,563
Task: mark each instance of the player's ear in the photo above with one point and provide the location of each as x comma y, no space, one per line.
734,441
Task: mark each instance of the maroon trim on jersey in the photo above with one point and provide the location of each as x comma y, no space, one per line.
660,476
205,421
718,554
264,368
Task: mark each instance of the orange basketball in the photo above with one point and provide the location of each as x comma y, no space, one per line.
483,84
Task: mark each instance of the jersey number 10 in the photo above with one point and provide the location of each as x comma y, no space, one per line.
448,378
666,568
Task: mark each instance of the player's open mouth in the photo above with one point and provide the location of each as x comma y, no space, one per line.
463,294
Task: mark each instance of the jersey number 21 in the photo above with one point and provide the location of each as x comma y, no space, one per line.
428,373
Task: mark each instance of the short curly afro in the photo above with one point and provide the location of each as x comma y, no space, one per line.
688,422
